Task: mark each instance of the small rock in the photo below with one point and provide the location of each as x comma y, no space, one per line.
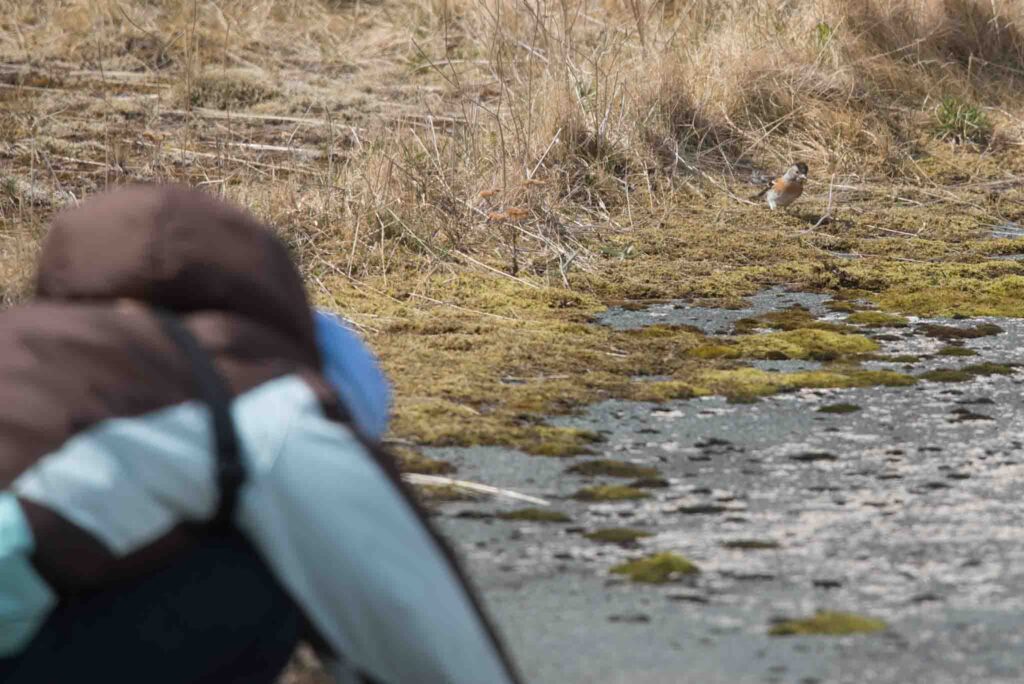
630,618
811,456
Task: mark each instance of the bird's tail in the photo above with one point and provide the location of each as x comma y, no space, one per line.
761,194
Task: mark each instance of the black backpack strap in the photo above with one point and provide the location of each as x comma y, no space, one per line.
213,390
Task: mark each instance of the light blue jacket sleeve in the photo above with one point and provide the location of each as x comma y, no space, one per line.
25,598
355,374
352,552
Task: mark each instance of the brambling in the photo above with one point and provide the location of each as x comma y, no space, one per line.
785,189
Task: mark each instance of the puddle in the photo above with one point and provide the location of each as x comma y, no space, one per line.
897,503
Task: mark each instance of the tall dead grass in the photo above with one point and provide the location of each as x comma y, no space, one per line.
499,134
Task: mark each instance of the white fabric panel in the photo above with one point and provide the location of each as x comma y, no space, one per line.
128,481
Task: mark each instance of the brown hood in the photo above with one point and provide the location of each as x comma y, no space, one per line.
178,249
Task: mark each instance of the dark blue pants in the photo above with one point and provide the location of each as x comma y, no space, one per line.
214,615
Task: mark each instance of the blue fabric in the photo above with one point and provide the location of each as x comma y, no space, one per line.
355,374
25,598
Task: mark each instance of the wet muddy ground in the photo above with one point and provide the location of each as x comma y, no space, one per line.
899,503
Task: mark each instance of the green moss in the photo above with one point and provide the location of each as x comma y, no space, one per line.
957,351
751,544
750,383
821,345
977,289
650,483
989,368
968,372
441,493
795,318
664,331
828,623
611,468
877,319
715,351
657,392
657,569
947,375
804,344
535,515
950,332
438,422
610,493
890,358
839,408
617,535
841,306
411,461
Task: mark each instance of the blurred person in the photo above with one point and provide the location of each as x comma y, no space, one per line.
191,471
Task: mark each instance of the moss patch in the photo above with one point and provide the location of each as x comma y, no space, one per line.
535,515
439,422
968,372
617,535
828,623
441,493
950,332
839,408
610,493
611,468
657,569
877,319
950,290
411,461
650,483
956,351
795,318
751,383
751,544
989,368
814,344
947,375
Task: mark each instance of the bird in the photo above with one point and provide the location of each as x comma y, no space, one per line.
785,189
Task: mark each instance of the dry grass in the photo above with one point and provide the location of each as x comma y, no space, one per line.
485,133
467,163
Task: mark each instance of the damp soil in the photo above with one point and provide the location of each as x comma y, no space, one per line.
899,507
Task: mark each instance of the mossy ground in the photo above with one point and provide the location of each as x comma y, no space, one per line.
657,569
616,535
482,358
956,351
969,372
877,319
610,493
828,623
480,355
535,515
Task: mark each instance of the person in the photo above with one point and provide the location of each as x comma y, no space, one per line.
185,493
